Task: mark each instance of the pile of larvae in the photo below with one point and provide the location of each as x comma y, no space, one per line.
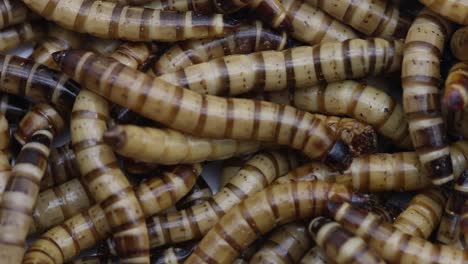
336,130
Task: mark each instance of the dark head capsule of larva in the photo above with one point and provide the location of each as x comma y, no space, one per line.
339,157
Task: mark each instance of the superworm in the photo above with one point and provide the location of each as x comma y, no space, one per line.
358,100
393,245
423,213
421,103
199,194
455,10
377,18
261,212
449,226
135,167
457,122
313,26
12,12
5,167
173,147
20,195
249,38
13,107
196,221
286,245
41,116
110,20
36,82
205,116
456,87
230,168
14,36
315,256
62,167
135,55
387,212
300,67
89,227
339,244
459,44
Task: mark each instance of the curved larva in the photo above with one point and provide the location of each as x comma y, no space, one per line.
315,256
5,167
459,44
13,107
14,36
455,10
136,55
12,13
61,167
456,87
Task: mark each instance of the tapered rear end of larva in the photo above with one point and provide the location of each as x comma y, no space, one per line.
454,10
459,44
456,87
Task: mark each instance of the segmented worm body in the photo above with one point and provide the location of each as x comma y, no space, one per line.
339,244
20,195
377,18
136,55
286,244
449,226
14,36
249,38
456,87
12,12
459,44
455,10
315,256
461,185
258,214
5,167
110,20
139,168
421,102
199,194
13,107
36,82
205,116
296,68
423,213
230,169
62,166
172,255
393,245
101,46
457,122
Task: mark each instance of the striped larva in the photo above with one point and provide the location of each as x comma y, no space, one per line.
135,55
5,167
261,212
367,104
286,244
449,226
110,20
387,212
311,171
137,168
194,222
13,107
199,194
421,103
205,116
459,43
464,210
100,46
313,26
12,12
456,87
455,10
14,36
339,244
457,122
62,167
20,195
249,38
378,18
173,147
41,116
36,82
315,256
230,168
57,39
90,227
423,213
393,245
95,259
299,67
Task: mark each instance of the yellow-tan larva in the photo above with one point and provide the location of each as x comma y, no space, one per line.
340,245
249,38
5,167
315,256
423,213
393,245
449,226
261,212
459,44
455,10
294,68
101,46
313,26
135,55
20,195
12,12
110,20
205,116
194,222
14,36
88,228
456,87
286,245
62,167
421,100
230,168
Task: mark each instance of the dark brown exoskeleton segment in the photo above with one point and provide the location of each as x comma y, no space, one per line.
13,107
62,167
456,87
14,36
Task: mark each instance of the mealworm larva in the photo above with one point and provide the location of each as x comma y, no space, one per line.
95,259
131,2
41,116
315,256
311,25
457,122
455,10
135,55
101,46
199,194
393,245
57,39
110,20
195,221
86,229
459,44
135,167
173,147
12,12
261,212
13,107
248,39
36,82
449,226
230,169
423,213
205,116
14,36
296,68
339,244
5,167
420,79
456,87
367,104
386,211
287,244
62,167
20,195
